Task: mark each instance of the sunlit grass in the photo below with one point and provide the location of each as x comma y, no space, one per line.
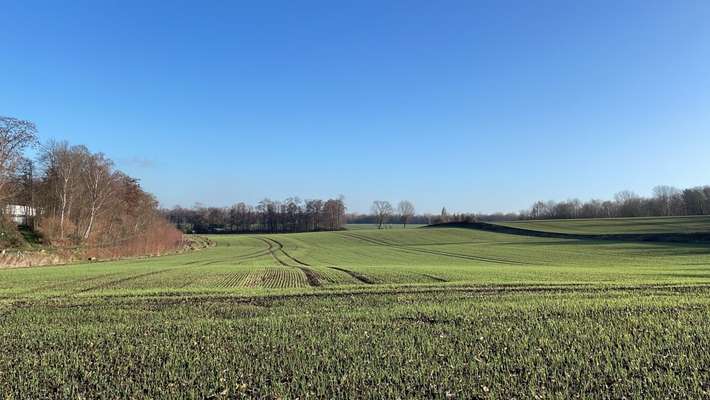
421,313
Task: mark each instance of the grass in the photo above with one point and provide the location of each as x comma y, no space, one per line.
421,313
355,227
693,224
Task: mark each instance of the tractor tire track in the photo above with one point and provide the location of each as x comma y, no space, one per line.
281,248
60,285
256,254
357,276
408,249
436,278
123,280
311,276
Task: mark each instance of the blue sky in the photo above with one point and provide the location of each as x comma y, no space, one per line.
476,106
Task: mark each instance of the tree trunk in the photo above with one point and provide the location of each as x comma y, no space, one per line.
91,223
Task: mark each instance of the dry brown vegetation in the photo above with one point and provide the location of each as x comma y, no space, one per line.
85,207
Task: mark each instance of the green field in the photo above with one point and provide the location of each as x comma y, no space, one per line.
617,225
420,313
356,227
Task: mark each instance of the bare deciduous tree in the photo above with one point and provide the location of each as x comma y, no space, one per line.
664,197
382,210
406,211
98,178
68,199
62,164
15,136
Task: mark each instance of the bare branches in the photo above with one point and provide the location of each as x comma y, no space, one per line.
290,215
406,211
382,211
15,136
99,179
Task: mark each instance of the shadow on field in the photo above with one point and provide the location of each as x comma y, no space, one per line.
698,237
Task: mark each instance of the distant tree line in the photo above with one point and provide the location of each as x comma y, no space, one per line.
382,214
371,219
665,201
75,198
288,216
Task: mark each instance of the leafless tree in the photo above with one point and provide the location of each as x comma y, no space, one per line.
98,178
382,211
62,164
630,204
15,136
71,192
665,197
406,211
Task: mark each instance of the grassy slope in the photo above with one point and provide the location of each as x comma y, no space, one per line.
692,224
356,227
420,313
364,258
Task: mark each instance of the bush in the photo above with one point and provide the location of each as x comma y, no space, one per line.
10,236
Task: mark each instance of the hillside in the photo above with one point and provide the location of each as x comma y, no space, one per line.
606,226
315,261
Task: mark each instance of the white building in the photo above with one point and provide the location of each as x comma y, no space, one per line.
21,215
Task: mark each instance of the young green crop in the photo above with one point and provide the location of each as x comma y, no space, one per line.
420,313
691,224
316,261
466,343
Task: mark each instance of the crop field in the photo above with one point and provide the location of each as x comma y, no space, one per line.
617,225
415,313
354,227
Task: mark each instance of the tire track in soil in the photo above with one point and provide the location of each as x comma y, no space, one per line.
238,259
405,248
281,248
311,276
255,254
122,280
436,278
59,285
358,276
411,250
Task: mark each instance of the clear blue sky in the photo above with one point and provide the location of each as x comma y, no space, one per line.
476,106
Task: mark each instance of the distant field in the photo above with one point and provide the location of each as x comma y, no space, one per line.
313,261
692,224
420,313
352,227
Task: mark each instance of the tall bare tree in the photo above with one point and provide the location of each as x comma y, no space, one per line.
664,196
99,183
15,136
62,164
382,210
406,211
